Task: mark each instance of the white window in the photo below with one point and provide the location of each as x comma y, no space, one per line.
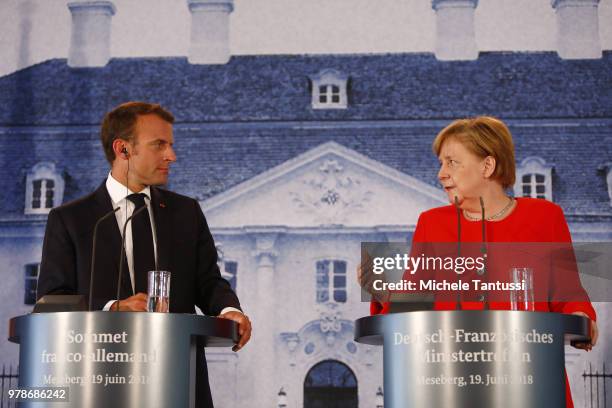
329,90
534,179
609,182
331,281
30,283
230,273
607,169
44,188
228,269
329,94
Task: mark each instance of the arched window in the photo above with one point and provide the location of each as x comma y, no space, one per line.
534,179
329,90
44,188
331,281
330,383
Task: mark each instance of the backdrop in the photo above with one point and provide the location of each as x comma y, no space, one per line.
304,129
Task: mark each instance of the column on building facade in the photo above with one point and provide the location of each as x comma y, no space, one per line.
264,318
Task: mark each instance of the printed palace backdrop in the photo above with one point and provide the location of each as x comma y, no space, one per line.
300,152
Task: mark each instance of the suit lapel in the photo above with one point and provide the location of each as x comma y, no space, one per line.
109,248
162,228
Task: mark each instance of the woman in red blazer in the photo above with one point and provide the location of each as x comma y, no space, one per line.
477,166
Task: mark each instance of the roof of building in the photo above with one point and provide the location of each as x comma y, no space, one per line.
248,96
211,161
276,87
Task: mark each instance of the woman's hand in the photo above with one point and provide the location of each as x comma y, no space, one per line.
594,334
366,278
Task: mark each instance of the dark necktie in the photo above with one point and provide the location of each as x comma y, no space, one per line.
142,244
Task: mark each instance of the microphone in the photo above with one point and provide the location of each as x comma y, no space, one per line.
93,253
458,300
458,226
155,251
135,213
483,246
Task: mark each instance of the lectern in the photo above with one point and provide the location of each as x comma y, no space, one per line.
118,359
473,358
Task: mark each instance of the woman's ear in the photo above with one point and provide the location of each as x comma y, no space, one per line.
489,166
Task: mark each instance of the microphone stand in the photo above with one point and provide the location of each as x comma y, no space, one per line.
458,297
483,247
93,254
135,213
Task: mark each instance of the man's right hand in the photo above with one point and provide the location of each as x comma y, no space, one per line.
136,303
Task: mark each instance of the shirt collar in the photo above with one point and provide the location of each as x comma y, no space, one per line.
118,191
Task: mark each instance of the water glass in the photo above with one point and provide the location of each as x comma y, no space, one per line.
523,298
159,292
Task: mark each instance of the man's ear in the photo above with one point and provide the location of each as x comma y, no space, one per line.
120,147
489,166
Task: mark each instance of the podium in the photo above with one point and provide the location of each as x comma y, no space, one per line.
473,358
118,359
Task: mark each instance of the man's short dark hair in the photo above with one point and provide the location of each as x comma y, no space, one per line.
121,121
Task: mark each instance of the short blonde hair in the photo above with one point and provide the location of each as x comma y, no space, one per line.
484,136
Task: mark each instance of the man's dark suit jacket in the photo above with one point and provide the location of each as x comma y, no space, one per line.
184,244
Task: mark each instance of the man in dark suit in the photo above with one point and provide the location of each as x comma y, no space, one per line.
171,233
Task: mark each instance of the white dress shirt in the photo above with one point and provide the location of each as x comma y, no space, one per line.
118,194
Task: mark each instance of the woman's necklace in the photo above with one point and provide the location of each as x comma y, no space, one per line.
494,216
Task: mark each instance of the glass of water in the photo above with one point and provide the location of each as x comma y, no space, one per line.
522,298
159,292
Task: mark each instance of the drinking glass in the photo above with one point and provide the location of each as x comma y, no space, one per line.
522,299
159,292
